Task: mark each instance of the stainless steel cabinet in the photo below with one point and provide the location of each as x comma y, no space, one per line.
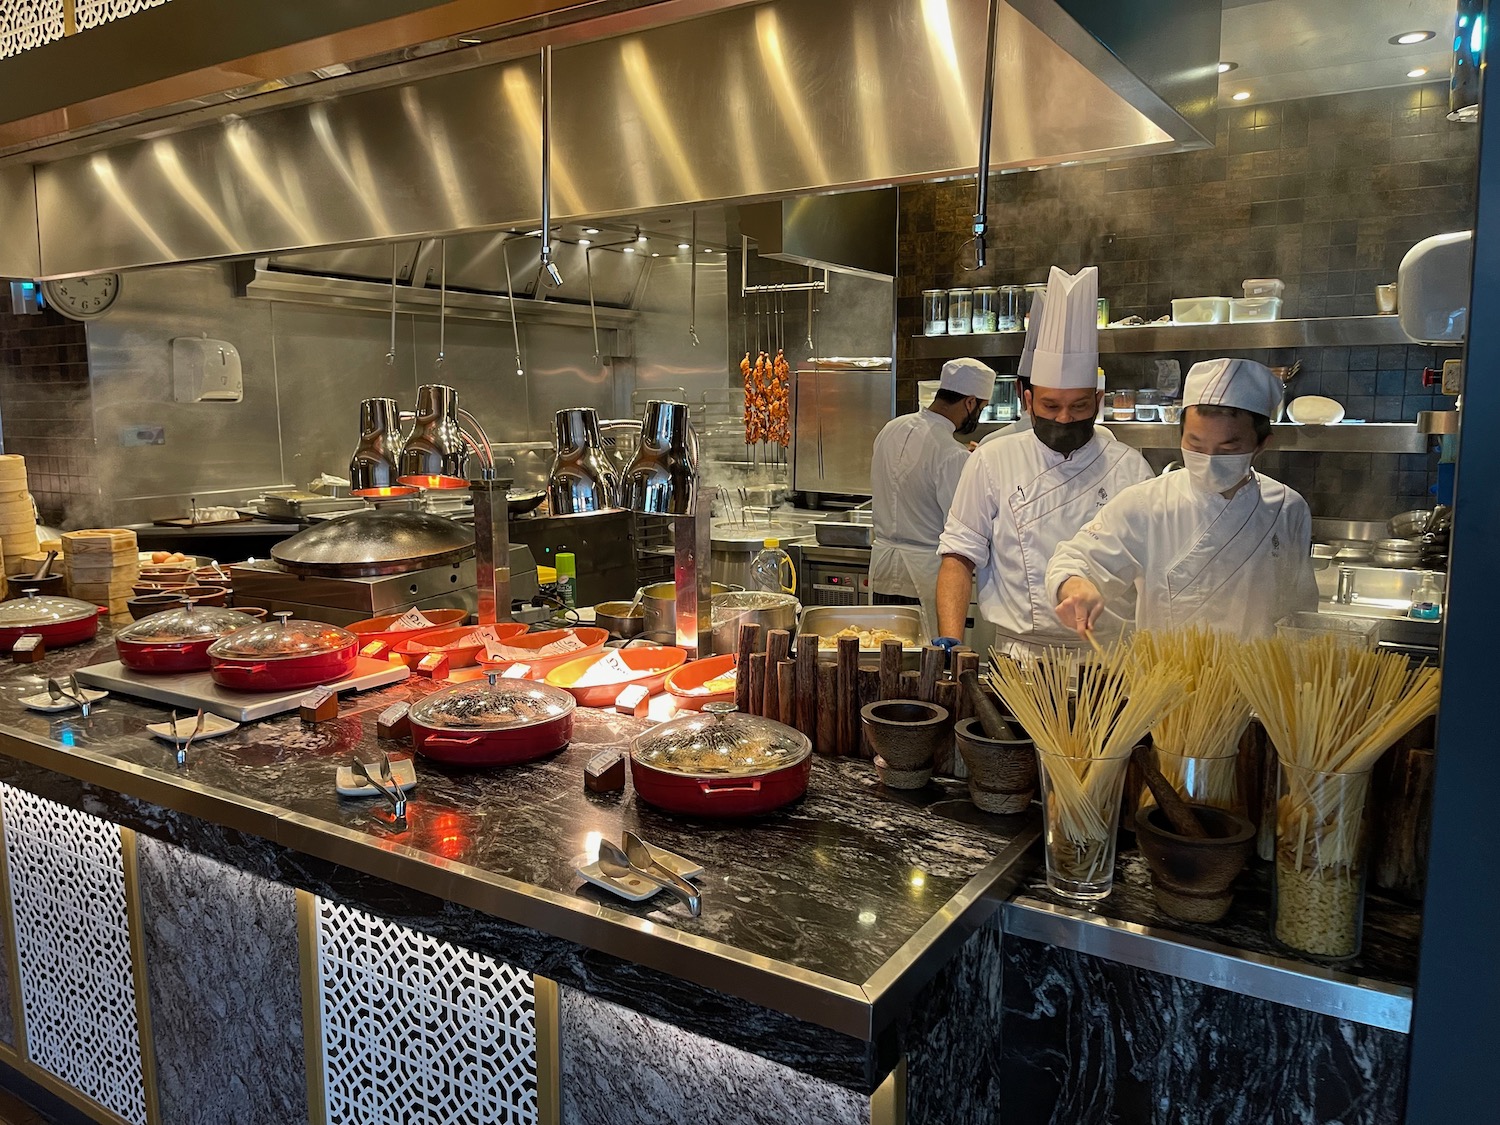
837,415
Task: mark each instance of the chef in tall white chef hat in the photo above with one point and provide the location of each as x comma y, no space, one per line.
914,470
1214,543
1025,492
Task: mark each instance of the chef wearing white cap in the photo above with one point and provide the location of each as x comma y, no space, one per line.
913,471
1215,543
1024,493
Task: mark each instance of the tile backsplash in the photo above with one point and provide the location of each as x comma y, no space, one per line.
1327,194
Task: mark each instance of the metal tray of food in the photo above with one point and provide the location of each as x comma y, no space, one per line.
827,621
845,529
295,505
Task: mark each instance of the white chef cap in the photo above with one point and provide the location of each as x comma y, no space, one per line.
1033,327
1067,350
1241,383
968,377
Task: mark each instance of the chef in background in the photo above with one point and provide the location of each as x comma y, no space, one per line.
1214,543
1025,492
913,472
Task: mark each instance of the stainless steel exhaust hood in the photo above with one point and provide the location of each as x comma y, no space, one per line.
851,232
716,101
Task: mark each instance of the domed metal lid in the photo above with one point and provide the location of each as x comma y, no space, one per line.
491,704
720,742
191,622
32,609
375,542
282,638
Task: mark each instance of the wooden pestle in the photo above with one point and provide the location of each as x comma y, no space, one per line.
964,660
749,639
990,718
931,668
1185,822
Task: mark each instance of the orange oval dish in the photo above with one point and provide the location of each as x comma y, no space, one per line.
378,628
452,643
590,641
651,666
684,683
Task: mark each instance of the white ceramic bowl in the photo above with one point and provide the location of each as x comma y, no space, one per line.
1315,410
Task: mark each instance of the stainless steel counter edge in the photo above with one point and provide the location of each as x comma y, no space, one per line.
1281,981
841,1006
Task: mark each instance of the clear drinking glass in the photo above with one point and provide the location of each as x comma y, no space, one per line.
1318,902
960,311
1081,811
934,312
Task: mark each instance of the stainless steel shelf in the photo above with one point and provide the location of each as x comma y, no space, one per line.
1364,437
1333,331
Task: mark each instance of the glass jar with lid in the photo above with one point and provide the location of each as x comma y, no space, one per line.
960,311
934,312
986,316
1029,294
1148,405
1008,318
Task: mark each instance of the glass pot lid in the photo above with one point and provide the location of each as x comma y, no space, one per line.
720,742
492,704
192,622
282,638
32,609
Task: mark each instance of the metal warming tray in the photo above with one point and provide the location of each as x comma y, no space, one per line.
296,505
845,529
191,690
903,620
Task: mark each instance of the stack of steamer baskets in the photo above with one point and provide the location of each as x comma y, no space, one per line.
102,566
17,514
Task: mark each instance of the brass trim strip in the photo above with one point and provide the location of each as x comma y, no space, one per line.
547,1004
312,1007
70,17
135,922
888,1102
12,950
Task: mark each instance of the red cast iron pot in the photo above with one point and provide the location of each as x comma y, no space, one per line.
176,640
58,621
492,722
283,655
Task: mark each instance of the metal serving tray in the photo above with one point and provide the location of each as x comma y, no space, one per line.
845,529
903,620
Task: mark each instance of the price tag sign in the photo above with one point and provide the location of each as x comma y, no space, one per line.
394,714
516,672
317,697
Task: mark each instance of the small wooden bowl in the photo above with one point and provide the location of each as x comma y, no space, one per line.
1193,879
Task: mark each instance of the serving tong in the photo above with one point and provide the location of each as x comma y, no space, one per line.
182,747
387,787
636,859
57,693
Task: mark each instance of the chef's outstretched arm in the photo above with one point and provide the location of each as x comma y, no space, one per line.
1097,566
955,580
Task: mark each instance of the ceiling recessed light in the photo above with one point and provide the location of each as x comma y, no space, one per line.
590,230
683,246
708,249
640,238
1419,72
654,254
629,249
1407,38
1241,96
585,242
1226,67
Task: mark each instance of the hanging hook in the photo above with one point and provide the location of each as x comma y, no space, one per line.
442,301
510,297
588,267
390,355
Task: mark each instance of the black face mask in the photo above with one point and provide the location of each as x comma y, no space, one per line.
1063,437
971,421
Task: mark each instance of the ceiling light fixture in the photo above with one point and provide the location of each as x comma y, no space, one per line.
640,237
628,250
1226,67
1242,95
590,230
469,40
654,254
585,242
1419,72
683,246
1407,38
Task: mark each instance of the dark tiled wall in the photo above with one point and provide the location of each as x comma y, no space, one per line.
46,414
1327,194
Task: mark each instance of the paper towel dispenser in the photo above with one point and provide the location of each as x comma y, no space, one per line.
205,370
1432,288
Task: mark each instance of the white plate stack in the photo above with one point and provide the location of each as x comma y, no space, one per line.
102,565
17,513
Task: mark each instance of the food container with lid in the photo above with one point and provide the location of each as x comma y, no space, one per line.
1264,287
1010,310
960,311
986,316
720,763
282,655
176,640
492,722
934,312
1249,310
1200,310
1147,405
58,621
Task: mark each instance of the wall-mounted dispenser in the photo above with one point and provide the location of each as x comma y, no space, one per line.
205,370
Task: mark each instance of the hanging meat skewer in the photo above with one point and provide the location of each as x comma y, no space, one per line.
745,373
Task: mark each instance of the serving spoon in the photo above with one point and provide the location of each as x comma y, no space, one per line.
617,865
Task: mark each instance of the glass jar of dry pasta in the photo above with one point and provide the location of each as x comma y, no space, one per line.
1321,836
1081,799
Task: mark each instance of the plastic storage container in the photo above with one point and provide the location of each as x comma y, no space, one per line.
1248,310
934,312
1264,287
1200,310
986,316
960,311
1147,405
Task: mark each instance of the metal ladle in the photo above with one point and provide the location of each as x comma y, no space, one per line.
617,865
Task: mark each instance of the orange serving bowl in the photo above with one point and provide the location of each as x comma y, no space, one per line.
651,667
457,644
684,684
378,628
521,649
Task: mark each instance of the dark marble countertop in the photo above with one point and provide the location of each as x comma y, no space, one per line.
1240,953
833,910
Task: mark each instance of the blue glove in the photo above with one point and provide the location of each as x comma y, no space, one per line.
947,644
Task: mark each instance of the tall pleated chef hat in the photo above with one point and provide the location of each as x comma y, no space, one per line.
1033,327
1067,350
968,377
1233,382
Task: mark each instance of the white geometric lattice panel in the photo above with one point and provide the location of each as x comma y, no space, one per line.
67,885
25,24
420,1032
92,13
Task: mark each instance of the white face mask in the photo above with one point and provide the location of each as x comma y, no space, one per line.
1217,472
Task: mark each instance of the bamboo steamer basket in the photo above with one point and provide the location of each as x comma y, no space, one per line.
93,542
12,471
102,565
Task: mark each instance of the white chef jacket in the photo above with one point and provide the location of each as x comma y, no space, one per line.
1236,565
914,471
1017,501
